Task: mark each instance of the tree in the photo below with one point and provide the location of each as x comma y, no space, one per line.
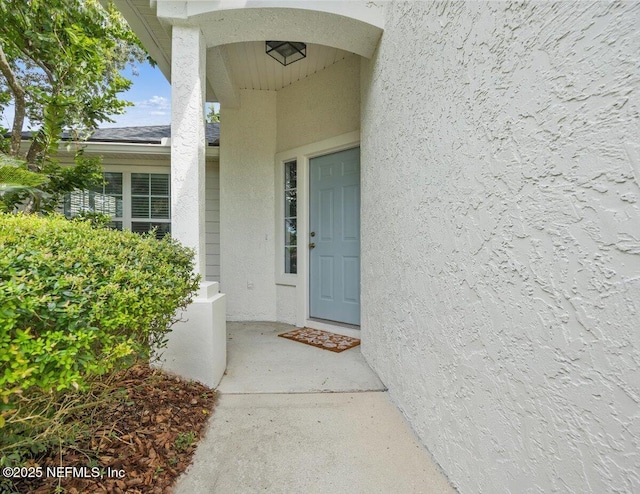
60,63
212,115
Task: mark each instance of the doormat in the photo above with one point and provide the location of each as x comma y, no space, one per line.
322,339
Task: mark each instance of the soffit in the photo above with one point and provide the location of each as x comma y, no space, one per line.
252,68
154,34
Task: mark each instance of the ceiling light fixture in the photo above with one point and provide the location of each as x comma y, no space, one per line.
286,52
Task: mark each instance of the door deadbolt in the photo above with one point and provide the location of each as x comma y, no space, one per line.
313,234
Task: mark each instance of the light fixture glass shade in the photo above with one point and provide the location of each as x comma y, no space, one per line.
286,52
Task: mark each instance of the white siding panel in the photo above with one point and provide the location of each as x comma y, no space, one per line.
212,223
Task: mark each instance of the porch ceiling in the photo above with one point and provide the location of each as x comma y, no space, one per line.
252,68
236,57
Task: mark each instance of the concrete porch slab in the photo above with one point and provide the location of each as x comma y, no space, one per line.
313,443
288,421
258,361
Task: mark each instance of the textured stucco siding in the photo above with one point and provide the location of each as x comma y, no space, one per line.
247,208
501,238
323,105
188,86
286,304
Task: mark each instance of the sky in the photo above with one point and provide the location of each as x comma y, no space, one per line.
150,93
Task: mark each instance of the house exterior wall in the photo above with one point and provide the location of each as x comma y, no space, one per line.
247,148
212,246
212,219
286,297
321,106
188,143
501,238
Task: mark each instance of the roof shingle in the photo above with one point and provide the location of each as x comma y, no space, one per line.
152,134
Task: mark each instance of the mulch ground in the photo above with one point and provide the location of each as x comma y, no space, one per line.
145,439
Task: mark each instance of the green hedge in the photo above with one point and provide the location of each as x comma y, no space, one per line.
77,301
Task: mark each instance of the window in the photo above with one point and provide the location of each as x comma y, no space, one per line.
105,198
150,203
290,218
135,201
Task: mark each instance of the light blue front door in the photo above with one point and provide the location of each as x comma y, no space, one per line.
334,241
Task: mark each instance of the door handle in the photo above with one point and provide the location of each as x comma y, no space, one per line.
312,245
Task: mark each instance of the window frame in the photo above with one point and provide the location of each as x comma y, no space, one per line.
127,171
86,196
299,297
282,277
138,219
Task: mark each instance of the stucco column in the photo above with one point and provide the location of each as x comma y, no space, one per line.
188,141
196,346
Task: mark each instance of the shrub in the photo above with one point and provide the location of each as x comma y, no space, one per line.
78,302
18,183
22,188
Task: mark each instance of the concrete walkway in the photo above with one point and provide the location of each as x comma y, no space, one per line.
293,418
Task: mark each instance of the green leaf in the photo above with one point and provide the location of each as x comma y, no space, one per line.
67,55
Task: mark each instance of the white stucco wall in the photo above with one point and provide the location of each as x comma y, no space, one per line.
188,87
501,239
247,148
286,304
319,107
354,26
323,105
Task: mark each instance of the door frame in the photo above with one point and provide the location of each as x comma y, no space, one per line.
301,280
